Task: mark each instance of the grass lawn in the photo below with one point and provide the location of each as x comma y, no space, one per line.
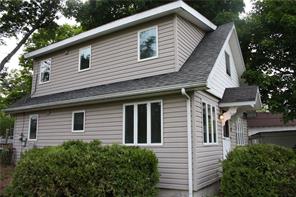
5,176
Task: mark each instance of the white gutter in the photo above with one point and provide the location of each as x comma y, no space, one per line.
189,139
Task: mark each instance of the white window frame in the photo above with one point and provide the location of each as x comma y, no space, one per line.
29,128
225,55
79,58
135,141
78,131
212,104
139,32
40,81
240,139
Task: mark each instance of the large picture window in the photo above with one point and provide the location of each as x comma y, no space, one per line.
209,123
45,69
84,58
147,44
33,127
143,123
78,121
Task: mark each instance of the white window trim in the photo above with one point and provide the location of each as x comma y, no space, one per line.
240,132
230,74
139,55
29,128
212,104
78,131
41,82
79,56
135,104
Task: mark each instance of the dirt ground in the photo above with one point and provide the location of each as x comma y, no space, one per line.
5,176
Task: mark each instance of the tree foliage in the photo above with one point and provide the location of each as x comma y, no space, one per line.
94,13
17,83
269,48
24,17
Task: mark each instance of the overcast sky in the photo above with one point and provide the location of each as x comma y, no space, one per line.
11,43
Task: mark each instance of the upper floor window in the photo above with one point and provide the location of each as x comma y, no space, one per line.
78,121
45,68
84,58
209,123
148,43
33,127
143,123
227,63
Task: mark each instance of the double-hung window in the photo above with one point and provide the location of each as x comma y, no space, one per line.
209,123
240,132
84,58
227,63
33,127
148,43
142,123
78,121
45,69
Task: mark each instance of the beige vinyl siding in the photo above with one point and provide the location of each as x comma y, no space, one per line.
188,37
105,122
114,58
218,79
207,165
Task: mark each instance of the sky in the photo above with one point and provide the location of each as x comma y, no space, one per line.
11,42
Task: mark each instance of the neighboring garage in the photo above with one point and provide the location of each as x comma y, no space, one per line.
268,128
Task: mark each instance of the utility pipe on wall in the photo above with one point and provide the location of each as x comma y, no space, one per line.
189,139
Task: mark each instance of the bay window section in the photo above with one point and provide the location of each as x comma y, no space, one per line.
209,123
143,123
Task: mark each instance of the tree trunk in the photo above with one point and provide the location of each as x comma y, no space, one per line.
18,46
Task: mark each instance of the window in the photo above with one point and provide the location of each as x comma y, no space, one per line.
45,68
33,127
148,44
143,123
240,132
227,62
226,129
84,58
209,123
78,121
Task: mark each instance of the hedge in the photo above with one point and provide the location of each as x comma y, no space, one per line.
259,170
6,155
77,168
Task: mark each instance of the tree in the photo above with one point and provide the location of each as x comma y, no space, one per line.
17,84
269,48
94,13
25,17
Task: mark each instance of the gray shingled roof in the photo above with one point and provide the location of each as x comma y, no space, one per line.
195,70
240,94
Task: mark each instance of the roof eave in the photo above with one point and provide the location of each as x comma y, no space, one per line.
106,98
178,7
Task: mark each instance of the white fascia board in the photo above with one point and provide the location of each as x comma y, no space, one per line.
255,130
238,104
178,7
107,97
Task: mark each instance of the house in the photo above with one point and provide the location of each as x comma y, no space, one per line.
268,128
166,79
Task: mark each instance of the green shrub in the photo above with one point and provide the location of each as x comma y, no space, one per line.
86,169
6,155
259,170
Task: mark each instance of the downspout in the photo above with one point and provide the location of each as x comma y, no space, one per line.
189,139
